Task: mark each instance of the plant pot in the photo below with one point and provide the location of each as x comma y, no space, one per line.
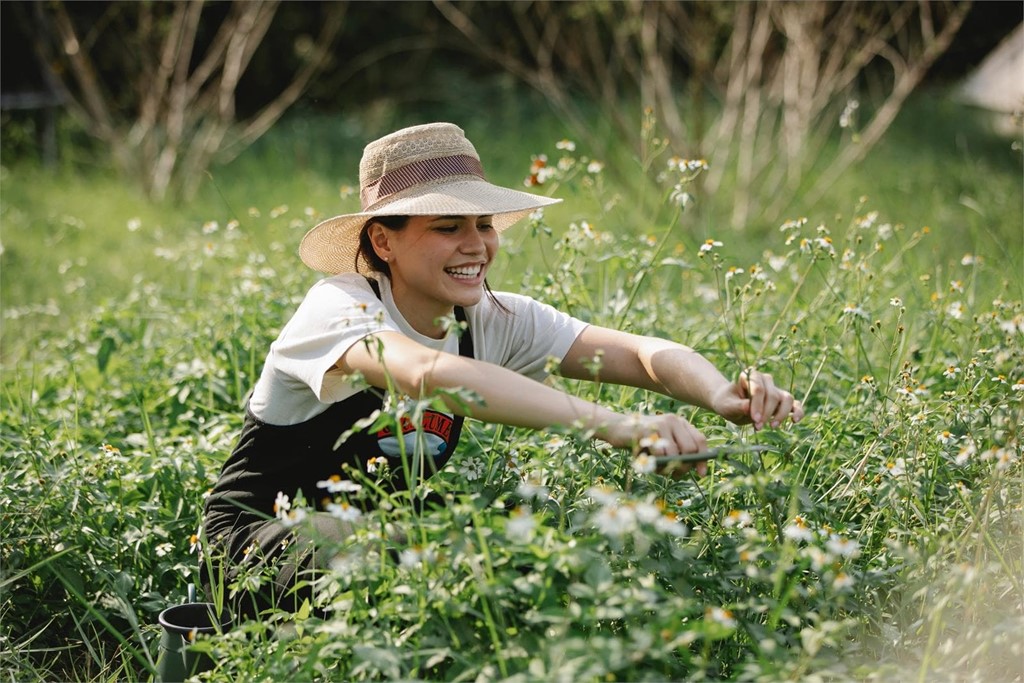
182,623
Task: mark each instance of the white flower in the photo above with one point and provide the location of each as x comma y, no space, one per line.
738,518
951,371
373,463
521,525
1012,326
1005,458
163,549
567,145
603,495
721,616
615,520
669,523
825,244
966,452
134,224
946,437
413,557
344,511
532,489
708,245
798,530
195,541
867,221
895,468
281,503
955,310
969,260
850,310
842,581
895,302
793,224
292,517
644,464
595,167
210,227
338,485
1018,385
843,547
473,469
647,512
819,558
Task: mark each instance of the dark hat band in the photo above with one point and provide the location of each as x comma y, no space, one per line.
417,172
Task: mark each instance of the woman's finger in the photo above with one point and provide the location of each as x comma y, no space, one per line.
784,408
772,396
756,391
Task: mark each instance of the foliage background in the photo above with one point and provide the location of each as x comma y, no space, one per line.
133,329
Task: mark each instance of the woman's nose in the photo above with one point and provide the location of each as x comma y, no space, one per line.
473,242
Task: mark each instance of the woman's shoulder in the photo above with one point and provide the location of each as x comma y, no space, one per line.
339,293
354,283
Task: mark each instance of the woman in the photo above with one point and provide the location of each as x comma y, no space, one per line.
408,274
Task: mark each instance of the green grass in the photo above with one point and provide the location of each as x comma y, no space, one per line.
882,540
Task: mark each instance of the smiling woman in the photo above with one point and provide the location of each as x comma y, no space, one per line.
406,312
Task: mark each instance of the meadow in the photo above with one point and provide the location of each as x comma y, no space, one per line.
881,538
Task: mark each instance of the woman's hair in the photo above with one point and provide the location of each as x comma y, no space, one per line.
379,265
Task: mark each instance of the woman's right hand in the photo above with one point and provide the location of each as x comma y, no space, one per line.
658,435
655,435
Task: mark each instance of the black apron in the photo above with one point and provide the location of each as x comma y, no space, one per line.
291,458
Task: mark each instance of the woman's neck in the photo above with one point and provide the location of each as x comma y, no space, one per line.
422,313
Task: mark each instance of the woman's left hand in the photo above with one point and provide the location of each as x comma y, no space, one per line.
754,398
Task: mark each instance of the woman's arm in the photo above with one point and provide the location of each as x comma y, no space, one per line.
681,373
506,397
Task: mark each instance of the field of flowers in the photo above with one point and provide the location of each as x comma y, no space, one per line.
882,538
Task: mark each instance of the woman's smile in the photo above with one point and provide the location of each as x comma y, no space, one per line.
469,274
437,263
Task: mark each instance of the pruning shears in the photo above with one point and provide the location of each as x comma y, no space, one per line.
718,452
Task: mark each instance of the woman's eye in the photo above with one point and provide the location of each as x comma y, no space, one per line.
446,229
484,227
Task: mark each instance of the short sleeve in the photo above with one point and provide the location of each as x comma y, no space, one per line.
335,314
526,337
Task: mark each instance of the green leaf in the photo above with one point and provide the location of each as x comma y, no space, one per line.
107,347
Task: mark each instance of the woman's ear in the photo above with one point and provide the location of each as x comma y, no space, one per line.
380,241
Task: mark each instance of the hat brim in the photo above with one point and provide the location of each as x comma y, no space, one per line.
332,245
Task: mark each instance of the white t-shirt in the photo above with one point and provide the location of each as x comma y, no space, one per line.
299,379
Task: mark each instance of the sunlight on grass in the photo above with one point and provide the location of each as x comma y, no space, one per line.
880,539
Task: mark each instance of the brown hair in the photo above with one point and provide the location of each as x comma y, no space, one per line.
379,265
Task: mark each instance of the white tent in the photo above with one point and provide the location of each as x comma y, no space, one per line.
998,82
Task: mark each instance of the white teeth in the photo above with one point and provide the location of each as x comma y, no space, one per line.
467,271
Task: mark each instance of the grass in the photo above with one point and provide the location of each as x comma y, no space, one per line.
880,540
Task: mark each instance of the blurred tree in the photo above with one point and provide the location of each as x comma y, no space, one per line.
157,82
782,77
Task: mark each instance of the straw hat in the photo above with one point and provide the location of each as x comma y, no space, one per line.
428,170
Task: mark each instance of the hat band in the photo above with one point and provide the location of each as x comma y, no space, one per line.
423,171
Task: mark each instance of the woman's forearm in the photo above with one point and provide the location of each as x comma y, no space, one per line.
504,396
682,373
645,362
512,399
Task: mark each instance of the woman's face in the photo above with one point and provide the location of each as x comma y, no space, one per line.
437,262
